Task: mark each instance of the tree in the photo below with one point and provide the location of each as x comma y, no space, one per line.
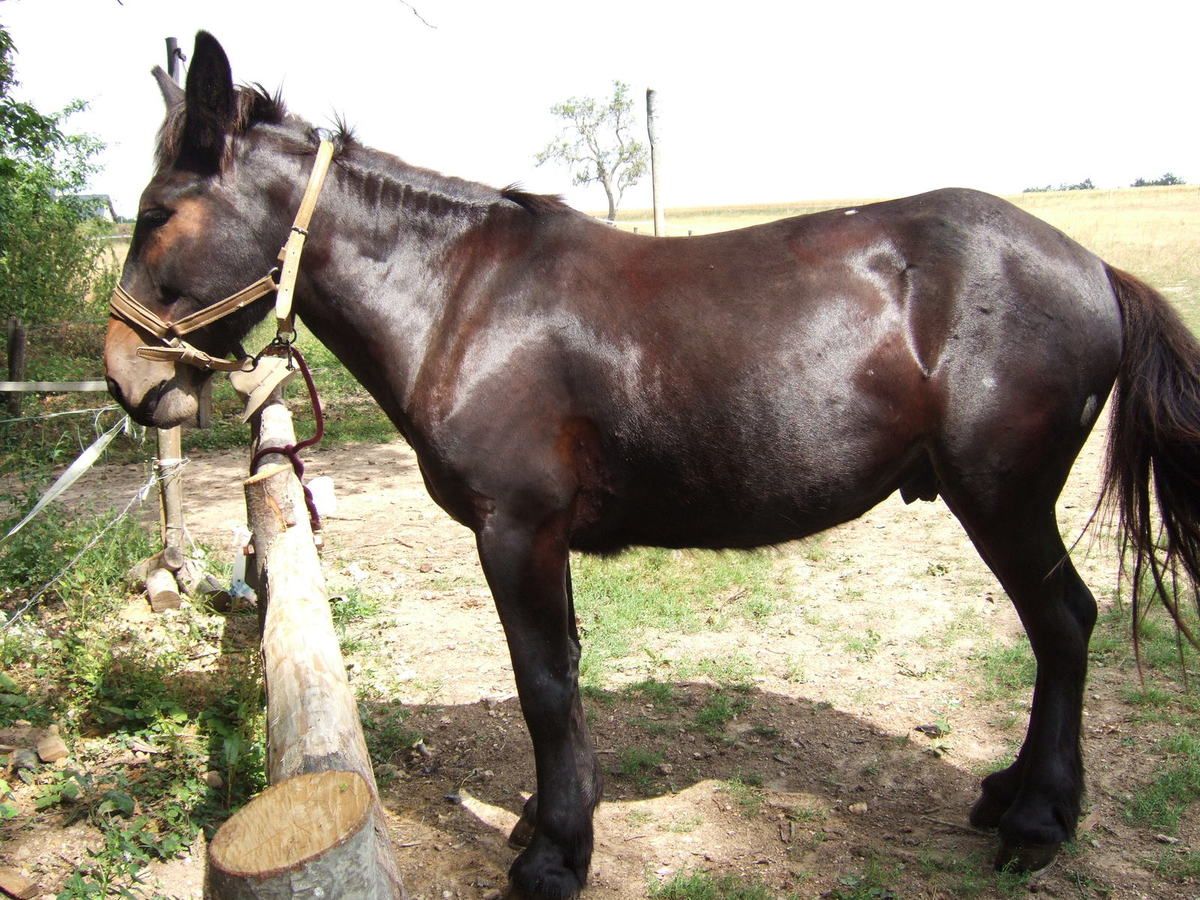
596,144
1167,178
50,253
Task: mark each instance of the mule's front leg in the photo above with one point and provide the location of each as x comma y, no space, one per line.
526,568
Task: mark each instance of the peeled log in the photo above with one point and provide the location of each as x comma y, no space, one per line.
313,729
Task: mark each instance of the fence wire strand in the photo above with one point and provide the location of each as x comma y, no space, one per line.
136,500
92,410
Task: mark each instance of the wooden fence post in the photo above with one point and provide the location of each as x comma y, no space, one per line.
16,362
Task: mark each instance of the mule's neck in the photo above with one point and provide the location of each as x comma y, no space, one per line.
387,251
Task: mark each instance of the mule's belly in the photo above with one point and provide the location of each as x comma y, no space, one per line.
723,491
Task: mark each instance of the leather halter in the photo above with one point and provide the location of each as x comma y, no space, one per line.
281,281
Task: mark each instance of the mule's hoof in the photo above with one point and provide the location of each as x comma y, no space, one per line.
535,876
986,812
521,834
1020,857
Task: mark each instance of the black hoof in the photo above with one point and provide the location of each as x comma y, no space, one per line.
522,834
1023,857
541,873
987,811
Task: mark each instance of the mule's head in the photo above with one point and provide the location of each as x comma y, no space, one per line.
209,223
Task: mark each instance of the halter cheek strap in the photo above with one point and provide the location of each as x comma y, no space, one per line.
174,349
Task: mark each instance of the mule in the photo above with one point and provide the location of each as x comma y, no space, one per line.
568,386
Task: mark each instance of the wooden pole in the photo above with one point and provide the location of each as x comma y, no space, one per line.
174,58
660,219
321,822
170,496
16,361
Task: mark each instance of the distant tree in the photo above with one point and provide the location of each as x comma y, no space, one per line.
1085,185
1166,178
596,144
50,252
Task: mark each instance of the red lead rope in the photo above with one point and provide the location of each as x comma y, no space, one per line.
292,451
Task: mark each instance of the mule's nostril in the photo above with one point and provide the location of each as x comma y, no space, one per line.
114,389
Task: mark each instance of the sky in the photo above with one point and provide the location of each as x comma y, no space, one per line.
758,101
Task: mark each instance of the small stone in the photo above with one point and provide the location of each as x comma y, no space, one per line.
51,748
665,768
858,808
23,759
214,780
425,567
1166,839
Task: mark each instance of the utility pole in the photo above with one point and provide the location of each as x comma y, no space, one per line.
660,221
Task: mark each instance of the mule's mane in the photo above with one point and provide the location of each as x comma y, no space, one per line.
384,178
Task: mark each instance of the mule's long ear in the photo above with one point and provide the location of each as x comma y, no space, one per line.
208,116
172,93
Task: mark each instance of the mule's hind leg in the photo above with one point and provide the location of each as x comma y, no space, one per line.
1035,802
526,568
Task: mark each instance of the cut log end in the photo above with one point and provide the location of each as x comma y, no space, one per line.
318,825
162,590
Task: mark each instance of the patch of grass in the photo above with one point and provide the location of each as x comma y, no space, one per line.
659,693
872,882
636,764
700,885
621,599
807,814
735,671
685,823
971,875
1179,865
1007,671
1176,786
718,711
387,733
864,645
746,792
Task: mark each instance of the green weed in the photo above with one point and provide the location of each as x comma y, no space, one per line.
700,885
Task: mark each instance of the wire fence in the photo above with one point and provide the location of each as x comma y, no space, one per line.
135,501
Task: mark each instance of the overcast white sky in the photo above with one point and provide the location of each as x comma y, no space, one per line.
759,101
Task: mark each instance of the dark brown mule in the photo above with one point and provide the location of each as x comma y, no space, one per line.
567,385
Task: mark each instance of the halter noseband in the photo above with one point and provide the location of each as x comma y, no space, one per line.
282,281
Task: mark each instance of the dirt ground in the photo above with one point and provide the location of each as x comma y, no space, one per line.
872,636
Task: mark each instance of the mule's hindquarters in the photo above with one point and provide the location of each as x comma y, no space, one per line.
1038,360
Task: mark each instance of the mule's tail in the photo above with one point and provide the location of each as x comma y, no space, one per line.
1154,449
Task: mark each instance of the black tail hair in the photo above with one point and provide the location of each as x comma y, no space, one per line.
1154,450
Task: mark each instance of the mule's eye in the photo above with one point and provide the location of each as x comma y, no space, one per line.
154,216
